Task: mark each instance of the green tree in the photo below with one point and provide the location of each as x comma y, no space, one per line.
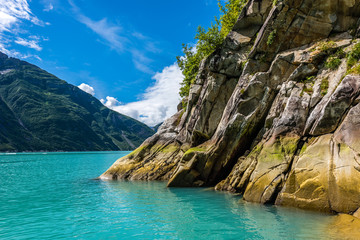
230,13
207,41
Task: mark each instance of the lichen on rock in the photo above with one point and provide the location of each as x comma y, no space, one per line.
272,122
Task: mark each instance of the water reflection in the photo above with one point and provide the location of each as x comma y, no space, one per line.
188,213
52,196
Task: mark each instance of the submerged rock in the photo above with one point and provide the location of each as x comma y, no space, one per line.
345,227
271,120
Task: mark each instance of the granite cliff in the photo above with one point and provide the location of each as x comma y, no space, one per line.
273,114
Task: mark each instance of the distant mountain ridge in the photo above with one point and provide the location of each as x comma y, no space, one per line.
40,112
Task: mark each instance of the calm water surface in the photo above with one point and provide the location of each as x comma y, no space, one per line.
53,196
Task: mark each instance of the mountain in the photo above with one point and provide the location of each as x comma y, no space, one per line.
156,127
274,114
40,112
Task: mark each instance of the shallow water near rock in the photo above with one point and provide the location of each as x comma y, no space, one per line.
54,196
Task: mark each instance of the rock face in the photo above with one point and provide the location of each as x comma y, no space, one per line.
270,116
344,226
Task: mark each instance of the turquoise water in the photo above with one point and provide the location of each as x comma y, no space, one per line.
53,196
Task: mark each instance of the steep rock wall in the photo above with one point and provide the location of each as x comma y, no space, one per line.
267,117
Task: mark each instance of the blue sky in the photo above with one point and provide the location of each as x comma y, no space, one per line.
121,51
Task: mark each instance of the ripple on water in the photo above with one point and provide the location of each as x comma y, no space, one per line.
52,196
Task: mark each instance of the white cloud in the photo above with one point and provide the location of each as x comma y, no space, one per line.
34,44
106,30
141,62
87,88
159,101
110,102
134,43
12,11
17,54
49,7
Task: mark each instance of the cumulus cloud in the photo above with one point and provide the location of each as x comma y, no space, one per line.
87,88
110,102
158,102
34,44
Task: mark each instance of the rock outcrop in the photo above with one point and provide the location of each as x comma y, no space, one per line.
344,226
273,114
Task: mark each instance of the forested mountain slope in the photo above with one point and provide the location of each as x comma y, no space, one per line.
40,112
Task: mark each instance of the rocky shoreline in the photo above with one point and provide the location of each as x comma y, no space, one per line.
273,115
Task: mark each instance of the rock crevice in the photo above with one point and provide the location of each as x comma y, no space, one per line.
268,116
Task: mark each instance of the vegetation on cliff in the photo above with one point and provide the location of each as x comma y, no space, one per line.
353,58
207,41
278,103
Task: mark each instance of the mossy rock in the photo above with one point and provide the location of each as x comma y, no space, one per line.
344,226
272,162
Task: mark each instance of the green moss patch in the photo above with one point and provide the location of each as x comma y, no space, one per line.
355,70
282,148
324,86
326,46
308,85
194,149
353,56
136,151
170,149
333,62
271,37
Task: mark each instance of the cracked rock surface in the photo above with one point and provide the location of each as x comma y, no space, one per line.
269,121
